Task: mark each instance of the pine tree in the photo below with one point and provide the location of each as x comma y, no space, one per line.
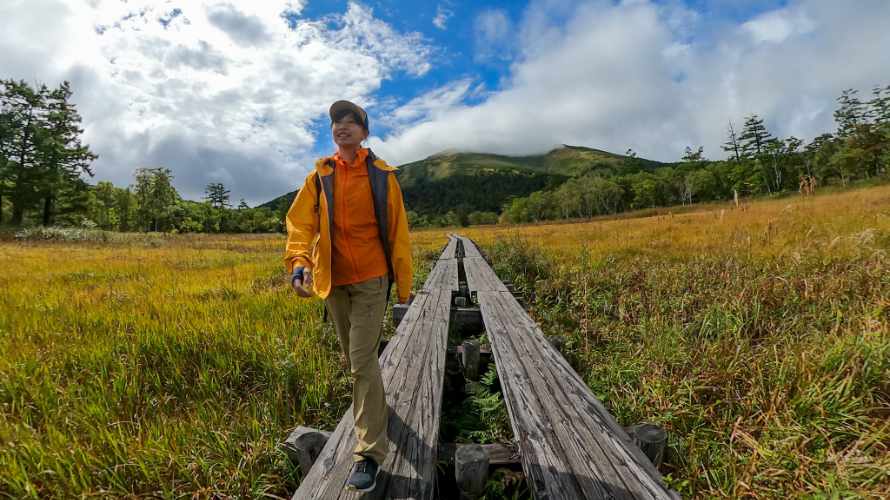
859,129
880,113
732,144
754,137
217,195
40,151
880,105
63,158
851,114
23,110
696,156
6,134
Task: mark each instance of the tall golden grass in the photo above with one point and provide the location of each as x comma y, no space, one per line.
174,366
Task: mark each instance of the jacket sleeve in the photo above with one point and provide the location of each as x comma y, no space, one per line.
399,241
302,226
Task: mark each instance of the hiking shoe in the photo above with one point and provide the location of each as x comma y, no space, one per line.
364,475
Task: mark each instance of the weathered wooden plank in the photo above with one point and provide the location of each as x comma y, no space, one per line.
443,275
450,251
470,248
481,277
571,447
413,366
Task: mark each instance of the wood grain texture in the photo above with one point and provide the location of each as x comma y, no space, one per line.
444,273
480,275
571,447
413,367
470,248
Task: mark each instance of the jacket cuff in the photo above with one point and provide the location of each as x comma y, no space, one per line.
299,262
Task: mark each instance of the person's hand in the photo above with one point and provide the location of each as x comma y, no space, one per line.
410,299
301,281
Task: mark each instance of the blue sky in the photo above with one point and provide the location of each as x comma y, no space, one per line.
236,92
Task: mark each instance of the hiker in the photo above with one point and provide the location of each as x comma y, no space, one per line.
347,241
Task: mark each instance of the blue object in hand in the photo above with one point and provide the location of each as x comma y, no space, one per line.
298,275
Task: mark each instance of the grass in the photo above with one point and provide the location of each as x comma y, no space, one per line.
758,338
174,366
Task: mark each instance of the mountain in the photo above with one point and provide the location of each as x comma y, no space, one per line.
471,182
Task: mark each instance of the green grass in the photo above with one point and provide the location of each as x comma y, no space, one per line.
768,362
133,370
138,366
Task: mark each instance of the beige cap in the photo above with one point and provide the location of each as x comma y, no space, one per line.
340,106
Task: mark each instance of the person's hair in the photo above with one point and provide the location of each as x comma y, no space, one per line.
343,113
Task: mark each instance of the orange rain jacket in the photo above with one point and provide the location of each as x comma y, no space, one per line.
310,221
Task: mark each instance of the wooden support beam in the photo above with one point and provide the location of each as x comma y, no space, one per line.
467,319
498,453
470,359
558,343
471,470
651,439
304,445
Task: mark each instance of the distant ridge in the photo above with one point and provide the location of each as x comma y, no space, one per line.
451,179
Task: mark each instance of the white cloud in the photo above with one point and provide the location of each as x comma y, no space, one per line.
493,35
212,89
432,104
777,26
443,14
639,74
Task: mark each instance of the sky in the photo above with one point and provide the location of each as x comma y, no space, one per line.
237,91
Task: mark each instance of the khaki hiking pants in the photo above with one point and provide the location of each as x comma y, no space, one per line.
357,311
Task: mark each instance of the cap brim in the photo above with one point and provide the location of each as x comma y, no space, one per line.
339,106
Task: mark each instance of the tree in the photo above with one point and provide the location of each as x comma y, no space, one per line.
754,141
479,218
217,195
23,109
156,198
42,156
64,159
103,209
701,185
7,132
601,196
732,144
126,204
754,137
860,125
817,156
696,156
851,114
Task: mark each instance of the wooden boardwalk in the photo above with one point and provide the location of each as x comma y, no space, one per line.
413,366
570,446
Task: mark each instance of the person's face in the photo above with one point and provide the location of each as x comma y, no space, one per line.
348,132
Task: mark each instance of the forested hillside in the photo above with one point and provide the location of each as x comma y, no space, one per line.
44,167
457,188
758,164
